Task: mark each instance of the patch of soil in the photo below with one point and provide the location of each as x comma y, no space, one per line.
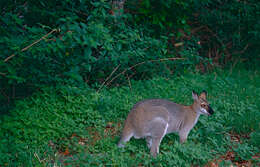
111,130
230,155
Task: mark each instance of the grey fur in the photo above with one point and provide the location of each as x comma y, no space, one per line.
152,119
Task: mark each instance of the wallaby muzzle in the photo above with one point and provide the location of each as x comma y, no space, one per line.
210,110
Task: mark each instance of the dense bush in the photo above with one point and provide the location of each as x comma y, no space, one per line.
225,30
84,43
233,28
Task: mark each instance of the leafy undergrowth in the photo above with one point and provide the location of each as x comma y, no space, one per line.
80,127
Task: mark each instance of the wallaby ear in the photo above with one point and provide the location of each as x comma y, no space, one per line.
194,95
203,94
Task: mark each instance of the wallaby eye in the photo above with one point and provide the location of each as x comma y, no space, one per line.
203,105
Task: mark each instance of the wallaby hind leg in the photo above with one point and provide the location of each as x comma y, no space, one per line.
155,146
159,132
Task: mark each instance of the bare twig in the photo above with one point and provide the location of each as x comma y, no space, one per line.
132,75
108,78
36,156
130,68
197,29
129,82
215,76
233,66
3,74
178,44
4,94
240,52
215,34
27,47
236,61
117,7
13,91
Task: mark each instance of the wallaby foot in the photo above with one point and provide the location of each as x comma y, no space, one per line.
183,137
149,141
155,147
120,145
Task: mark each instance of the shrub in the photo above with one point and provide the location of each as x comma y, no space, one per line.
77,45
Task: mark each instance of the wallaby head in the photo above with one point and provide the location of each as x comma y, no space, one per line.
152,119
201,104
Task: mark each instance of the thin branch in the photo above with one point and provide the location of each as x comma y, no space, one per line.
27,47
4,94
130,68
3,74
232,66
129,82
242,51
215,34
36,156
178,44
197,29
108,78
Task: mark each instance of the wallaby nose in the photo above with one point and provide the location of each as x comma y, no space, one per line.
210,110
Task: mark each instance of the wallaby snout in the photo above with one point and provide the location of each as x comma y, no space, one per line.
152,119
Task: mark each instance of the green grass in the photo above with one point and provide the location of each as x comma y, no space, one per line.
86,125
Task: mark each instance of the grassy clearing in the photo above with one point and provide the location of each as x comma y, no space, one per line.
77,126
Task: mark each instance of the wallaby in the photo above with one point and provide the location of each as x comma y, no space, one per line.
152,119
